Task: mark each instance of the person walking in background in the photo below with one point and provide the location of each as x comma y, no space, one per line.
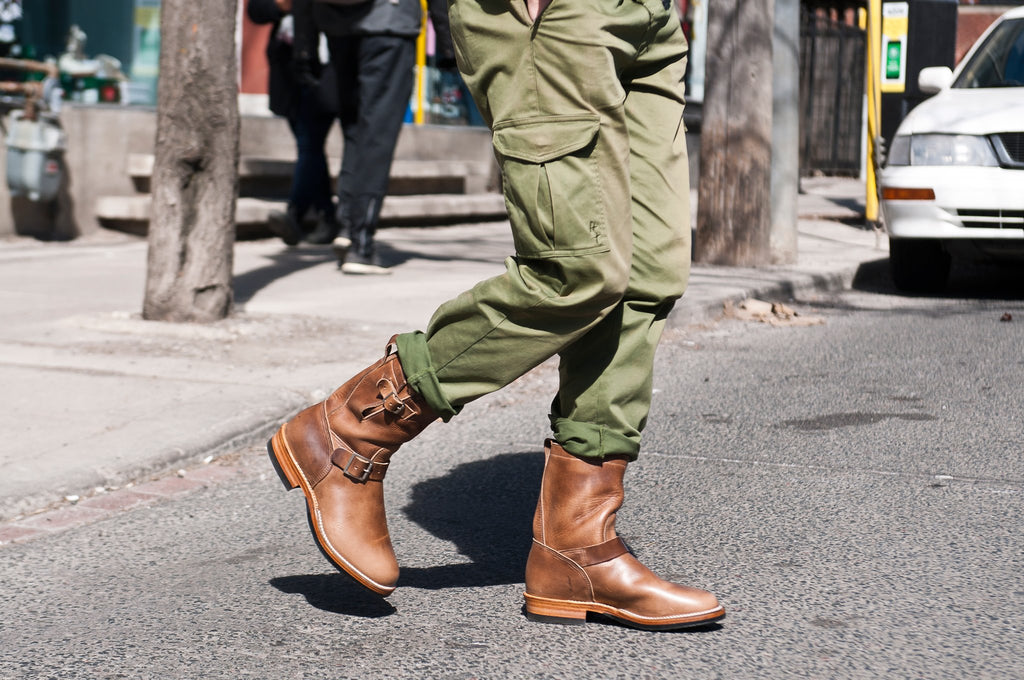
311,109
585,102
373,52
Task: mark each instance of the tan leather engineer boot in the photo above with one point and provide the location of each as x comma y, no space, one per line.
338,452
579,565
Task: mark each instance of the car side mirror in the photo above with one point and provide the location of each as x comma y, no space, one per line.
934,78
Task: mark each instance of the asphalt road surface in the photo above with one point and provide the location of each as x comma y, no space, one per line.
852,491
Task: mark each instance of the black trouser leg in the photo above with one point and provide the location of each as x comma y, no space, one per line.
375,79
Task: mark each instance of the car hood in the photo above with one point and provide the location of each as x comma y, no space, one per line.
969,112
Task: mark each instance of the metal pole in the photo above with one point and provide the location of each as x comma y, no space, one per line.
874,88
421,68
785,174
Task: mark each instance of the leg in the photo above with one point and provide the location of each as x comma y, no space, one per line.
578,565
311,183
382,86
338,452
344,52
570,216
312,180
605,377
287,225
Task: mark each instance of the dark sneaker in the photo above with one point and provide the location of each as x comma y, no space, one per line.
360,264
325,232
284,226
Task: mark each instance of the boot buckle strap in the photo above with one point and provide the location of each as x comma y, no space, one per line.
358,468
596,554
389,401
393,404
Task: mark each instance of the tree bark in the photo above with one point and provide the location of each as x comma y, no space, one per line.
734,193
195,173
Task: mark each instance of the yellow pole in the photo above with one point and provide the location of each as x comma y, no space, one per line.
874,91
421,68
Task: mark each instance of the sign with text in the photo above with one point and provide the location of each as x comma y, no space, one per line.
895,27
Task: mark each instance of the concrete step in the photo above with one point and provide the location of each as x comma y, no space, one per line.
132,213
271,177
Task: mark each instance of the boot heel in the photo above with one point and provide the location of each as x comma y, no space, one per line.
282,463
542,610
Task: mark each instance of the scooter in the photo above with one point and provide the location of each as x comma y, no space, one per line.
34,137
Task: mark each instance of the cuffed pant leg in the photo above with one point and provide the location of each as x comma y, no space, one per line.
605,378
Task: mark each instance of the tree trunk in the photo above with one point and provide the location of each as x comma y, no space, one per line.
734,199
195,173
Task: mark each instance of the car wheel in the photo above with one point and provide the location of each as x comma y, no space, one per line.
919,265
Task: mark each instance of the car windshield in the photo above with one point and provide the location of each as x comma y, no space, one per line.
1000,61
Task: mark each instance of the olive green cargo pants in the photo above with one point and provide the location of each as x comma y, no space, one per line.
586,107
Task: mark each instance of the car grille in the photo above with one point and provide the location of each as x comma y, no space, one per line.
1012,151
992,219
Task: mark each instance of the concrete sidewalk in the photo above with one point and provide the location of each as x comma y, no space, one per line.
94,397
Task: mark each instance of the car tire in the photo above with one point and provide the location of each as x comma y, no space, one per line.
919,265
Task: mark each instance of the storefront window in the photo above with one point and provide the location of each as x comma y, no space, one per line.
145,52
109,52
106,51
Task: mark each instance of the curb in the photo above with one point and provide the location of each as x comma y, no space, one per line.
703,312
16,511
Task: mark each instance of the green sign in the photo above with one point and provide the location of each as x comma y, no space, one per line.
893,55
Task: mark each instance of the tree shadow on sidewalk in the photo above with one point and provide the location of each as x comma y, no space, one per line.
335,593
286,262
486,509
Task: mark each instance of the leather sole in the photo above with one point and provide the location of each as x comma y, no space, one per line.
292,478
572,612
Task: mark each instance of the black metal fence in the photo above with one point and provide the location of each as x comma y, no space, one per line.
832,71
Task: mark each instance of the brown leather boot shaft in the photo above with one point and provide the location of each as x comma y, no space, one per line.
578,565
578,500
374,413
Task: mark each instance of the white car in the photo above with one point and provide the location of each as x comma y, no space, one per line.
953,184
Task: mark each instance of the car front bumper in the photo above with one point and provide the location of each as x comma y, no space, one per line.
969,203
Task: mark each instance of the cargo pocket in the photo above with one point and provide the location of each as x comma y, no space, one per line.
551,184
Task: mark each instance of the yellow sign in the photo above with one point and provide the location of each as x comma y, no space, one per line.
895,27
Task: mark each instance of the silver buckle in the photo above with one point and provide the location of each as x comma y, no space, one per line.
366,472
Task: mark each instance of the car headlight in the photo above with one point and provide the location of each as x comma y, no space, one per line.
942,150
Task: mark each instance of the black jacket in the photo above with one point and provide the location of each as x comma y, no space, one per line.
283,86
371,17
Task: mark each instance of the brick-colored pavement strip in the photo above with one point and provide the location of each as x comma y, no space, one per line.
105,503
169,487
121,499
12,532
63,518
